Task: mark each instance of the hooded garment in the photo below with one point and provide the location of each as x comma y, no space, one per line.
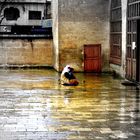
67,76
66,69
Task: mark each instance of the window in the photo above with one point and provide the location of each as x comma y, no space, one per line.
11,13
35,15
115,32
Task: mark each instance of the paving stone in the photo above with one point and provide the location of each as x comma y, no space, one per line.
34,106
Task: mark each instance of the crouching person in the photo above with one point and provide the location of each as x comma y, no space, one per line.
67,77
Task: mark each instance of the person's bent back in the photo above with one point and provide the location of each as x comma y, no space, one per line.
67,77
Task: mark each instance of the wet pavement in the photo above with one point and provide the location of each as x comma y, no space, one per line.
34,106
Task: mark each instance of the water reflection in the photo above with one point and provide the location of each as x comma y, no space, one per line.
35,106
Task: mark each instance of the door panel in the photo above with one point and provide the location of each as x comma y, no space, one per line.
131,66
92,58
128,68
131,59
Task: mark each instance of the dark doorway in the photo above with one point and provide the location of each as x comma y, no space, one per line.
92,58
138,50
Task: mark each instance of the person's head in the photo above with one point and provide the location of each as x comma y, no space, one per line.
68,68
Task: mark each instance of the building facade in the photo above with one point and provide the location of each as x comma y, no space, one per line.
92,36
86,31
124,38
25,33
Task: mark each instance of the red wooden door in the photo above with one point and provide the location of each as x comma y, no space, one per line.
92,58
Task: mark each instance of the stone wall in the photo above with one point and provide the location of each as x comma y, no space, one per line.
82,22
23,52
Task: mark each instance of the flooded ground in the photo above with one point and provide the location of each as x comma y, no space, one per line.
34,106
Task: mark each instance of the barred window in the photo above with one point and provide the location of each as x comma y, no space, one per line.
115,32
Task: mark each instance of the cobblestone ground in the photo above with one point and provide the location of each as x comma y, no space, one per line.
34,106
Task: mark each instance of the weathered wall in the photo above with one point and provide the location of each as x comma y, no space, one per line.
82,22
19,52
